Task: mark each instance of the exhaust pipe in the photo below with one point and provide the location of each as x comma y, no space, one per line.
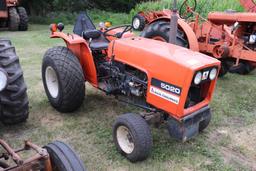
174,24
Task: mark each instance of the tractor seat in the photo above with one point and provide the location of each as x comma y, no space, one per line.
96,39
85,28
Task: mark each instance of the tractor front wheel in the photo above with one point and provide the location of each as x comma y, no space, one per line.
14,19
23,26
63,157
132,137
63,79
205,123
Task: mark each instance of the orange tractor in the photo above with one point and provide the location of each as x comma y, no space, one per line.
174,85
13,16
228,36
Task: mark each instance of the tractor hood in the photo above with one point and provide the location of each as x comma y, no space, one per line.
153,56
163,63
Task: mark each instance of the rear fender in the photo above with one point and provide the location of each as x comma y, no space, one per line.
82,51
192,39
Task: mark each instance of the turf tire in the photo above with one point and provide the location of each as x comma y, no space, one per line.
140,133
14,100
63,157
70,77
14,19
205,123
162,29
23,26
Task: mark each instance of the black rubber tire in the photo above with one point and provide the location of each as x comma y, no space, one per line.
243,68
70,78
162,29
63,157
14,19
205,123
142,22
14,103
223,70
141,136
23,26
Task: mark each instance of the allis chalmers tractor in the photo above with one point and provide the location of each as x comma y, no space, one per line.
13,90
56,156
228,36
13,16
172,84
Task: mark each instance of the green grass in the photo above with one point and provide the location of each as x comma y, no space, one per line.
88,130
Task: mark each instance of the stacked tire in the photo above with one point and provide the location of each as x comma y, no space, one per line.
18,19
14,105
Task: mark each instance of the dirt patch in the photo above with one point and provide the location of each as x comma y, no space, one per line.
237,146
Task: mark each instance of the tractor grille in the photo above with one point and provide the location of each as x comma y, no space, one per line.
197,94
3,5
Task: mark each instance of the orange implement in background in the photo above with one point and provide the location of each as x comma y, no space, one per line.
228,36
13,16
249,5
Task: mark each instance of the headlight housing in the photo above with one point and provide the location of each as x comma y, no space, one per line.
3,80
213,74
198,78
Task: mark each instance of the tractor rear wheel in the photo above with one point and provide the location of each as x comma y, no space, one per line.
14,105
138,22
23,26
160,31
63,79
63,157
132,137
14,19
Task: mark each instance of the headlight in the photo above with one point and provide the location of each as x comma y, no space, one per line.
213,74
3,80
198,78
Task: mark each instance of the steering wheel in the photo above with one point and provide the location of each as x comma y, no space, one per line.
187,8
127,28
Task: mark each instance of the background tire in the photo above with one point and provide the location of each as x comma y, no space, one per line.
68,94
14,19
138,22
23,26
224,69
63,157
160,31
139,137
14,103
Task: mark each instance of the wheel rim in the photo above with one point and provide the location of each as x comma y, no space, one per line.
125,139
52,82
136,23
159,38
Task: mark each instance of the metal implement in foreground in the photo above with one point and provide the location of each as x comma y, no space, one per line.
56,156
